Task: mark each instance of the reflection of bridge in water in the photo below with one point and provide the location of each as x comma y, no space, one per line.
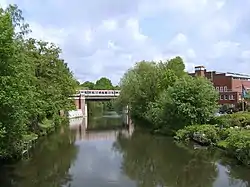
78,126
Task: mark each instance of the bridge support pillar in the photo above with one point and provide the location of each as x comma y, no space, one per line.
126,118
82,103
85,112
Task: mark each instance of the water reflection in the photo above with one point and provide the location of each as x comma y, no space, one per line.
48,166
156,161
76,157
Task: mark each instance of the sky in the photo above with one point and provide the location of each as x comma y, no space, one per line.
106,37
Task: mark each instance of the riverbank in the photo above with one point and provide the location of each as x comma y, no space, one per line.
35,85
230,133
31,138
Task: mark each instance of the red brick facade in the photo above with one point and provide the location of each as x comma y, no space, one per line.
229,85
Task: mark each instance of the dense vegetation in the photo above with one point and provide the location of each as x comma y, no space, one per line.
102,84
169,101
230,132
35,84
165,97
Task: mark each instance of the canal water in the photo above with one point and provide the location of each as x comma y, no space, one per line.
73,157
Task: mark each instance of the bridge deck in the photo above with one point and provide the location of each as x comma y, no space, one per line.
97,94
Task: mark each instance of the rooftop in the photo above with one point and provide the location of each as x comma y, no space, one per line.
236,75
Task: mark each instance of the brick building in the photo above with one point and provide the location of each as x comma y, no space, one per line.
229,85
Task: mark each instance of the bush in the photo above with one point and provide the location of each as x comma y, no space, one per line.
206,134
238,144
241,119
236,141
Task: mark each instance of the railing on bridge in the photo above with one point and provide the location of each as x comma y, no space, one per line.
89,93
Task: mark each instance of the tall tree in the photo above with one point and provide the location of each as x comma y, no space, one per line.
103,84
35,84
16,90
163,92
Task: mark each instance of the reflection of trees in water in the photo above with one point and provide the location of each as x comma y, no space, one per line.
104,123
49,164
153,161
94,109
239,175
97,121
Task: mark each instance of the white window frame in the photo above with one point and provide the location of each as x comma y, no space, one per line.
225,97
221,97
225,88
232,97
221,89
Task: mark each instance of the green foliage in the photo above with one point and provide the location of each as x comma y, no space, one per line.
240,119
165,96
103,84
35,83
88,85
236,141
238,144
209,133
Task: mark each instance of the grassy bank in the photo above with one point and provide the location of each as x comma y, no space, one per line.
229,132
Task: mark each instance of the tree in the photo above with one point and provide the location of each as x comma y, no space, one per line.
103,84
139,86
35,84
190,101
116,87
163,93
16,90
177,66
143,84
89,85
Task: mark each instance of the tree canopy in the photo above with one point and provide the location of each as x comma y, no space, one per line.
35,83
165,96
103,83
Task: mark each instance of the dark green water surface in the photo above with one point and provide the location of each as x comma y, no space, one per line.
111,158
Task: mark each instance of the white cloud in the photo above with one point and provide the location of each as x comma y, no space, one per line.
225,48
191,54
88,35
246,55
109,24
51,34
220,4
104,38
3,3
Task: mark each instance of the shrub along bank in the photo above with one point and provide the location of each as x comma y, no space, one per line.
35,84
229,132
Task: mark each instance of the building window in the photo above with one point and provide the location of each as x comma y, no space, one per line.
221,89
225,88
217,88
230,97
225,97
221,97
